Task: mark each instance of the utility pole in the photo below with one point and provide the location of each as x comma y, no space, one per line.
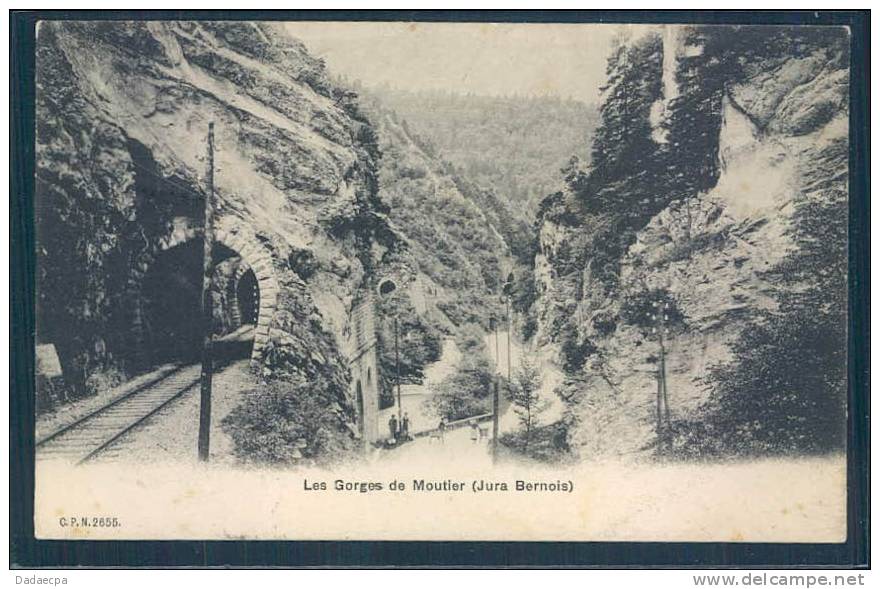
509,328
493,328
506,293
397,370
207,309
496,402
661,316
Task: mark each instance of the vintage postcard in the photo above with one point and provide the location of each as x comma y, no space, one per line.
441,281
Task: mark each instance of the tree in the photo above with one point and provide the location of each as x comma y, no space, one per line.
466,392
623,141
525,395
419,344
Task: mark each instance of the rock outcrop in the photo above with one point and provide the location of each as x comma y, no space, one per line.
123,112
452,256
716,253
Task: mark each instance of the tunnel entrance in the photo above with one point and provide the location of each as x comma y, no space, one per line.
248,295
171,305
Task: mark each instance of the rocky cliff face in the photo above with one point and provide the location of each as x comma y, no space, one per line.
452,255
123,111
716,252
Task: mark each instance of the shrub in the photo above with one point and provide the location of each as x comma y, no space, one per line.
467,391
769,400
419,344
547,443
605,323
288,421
453,405
529,326
575,350
50,392
470,339
104,379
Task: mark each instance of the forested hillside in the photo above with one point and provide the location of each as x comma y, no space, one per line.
454,252
448,234
512,146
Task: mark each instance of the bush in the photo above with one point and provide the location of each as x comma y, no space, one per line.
547,443
50,392
468,391
104,379
286,422
470,339
604,323
769,400
529,326
575,351
453,405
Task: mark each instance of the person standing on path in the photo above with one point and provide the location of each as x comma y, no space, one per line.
392,427
404,427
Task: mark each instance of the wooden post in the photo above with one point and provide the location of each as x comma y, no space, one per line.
659,406
397,370
207,309
497,349
496,402
509,328
667,430
663,418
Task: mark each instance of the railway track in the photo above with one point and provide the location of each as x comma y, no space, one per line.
90,435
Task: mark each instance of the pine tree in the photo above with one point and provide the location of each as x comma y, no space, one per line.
525,394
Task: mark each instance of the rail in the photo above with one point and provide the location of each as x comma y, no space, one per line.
91,434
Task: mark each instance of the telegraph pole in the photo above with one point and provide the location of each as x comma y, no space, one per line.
507,292
663,420
207,309
509,328
496,402
397,370
493,328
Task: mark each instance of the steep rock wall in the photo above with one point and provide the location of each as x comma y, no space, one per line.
123,111
784,125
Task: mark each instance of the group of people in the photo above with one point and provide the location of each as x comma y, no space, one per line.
476,432
399,430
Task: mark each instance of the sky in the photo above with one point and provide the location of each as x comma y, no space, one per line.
561,60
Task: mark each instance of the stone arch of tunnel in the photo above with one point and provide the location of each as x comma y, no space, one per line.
360,347
249,285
